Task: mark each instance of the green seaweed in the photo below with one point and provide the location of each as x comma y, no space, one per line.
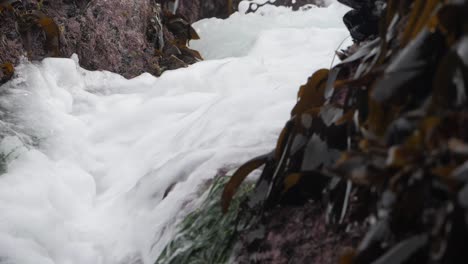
207,235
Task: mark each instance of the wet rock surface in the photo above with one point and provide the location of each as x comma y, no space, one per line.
296,234
362,21
198,9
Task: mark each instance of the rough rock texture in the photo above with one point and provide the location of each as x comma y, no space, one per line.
11,47
297,234
106,35
116,30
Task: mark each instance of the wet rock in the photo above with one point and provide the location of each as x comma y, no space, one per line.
199,9
296,235
195,10
11,47
294,4
362,21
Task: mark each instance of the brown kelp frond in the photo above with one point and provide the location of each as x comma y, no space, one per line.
180,27
171,34
50,29
8,70
238,177
311,94
6,5
29,20
190,52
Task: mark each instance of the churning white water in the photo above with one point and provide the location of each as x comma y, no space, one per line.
89,155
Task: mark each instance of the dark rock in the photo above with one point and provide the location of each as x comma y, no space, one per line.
294,4
291,234
360,25
362,22
194,10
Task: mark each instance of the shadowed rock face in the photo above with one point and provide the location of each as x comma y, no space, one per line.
295,235
195,10
362,21
198,9
294,4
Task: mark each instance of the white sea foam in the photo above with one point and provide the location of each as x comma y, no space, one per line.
90,154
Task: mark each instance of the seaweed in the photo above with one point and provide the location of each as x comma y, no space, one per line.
8,70
205,235
6,5
238,177
382,139
171,34
50,29
28,20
